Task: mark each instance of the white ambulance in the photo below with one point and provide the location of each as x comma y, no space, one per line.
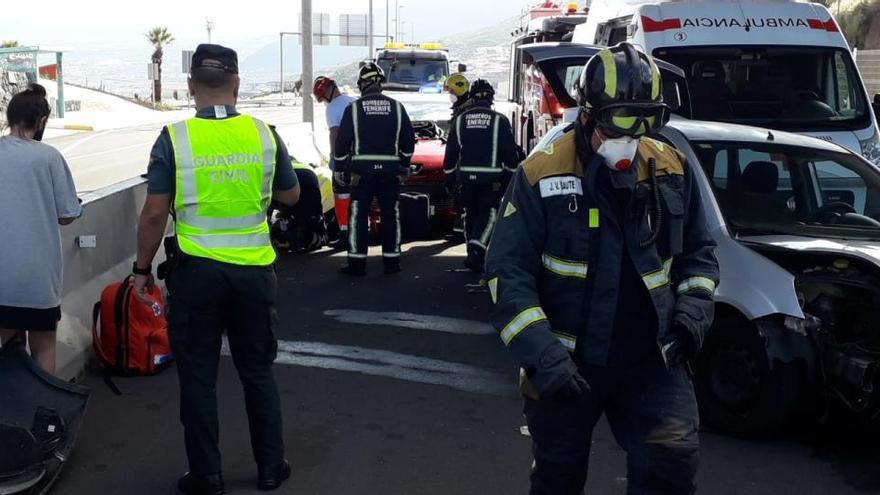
771,63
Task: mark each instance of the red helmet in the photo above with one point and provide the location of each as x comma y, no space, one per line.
323,88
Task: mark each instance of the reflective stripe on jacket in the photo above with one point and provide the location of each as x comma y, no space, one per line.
481,147
375,136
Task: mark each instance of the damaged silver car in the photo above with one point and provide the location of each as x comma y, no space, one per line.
797,221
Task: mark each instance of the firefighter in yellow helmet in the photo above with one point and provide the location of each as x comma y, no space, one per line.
458,86
602,273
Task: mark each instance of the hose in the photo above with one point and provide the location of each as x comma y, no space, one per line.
657,214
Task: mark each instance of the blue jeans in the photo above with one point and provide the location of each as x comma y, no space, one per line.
653,416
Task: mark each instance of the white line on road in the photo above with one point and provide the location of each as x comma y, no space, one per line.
406,367
114,150
410,320
82,141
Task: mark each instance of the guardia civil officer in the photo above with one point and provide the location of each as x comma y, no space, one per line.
374,146
602,273
480,156
217,174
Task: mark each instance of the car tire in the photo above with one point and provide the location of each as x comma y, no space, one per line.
738,391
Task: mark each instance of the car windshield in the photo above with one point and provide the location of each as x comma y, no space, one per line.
769,188
414,74
784,87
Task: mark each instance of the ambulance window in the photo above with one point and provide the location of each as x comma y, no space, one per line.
842,84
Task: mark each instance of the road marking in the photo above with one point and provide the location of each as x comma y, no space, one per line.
82,141
411,320
377,362
107,152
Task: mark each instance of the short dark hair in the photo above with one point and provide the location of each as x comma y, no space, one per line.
212,78
28,107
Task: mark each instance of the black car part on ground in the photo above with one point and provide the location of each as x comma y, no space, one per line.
40,416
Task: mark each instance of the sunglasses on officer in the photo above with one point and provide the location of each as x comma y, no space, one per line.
631,119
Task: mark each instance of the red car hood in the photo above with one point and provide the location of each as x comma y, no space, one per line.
429,153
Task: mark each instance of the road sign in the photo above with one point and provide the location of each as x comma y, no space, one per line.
320,28
353,30
187,60
152,72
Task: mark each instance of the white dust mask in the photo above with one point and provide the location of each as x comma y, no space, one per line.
619,153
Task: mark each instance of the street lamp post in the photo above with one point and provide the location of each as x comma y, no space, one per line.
307,69
370,30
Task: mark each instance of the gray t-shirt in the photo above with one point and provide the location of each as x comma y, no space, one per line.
36,189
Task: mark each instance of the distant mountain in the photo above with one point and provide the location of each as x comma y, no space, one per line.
262,65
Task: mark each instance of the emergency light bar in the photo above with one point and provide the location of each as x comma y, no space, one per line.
421,46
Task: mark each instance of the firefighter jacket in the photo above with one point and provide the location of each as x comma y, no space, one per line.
460,106
541,268
481,148
375,137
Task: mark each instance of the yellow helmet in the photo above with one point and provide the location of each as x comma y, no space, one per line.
458,85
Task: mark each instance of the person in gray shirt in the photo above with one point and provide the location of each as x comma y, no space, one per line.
36,195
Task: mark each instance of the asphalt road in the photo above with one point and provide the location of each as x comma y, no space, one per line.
102,158
394,385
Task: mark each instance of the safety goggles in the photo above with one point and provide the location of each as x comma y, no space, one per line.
632,119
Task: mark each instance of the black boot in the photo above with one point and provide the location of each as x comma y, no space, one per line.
191,484
271,478
357,268
474,263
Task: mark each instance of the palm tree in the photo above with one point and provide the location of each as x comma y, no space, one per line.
9,44
159,37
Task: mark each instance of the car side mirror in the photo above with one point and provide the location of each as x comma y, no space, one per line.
463,68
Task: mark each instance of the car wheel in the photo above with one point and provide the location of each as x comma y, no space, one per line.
738,391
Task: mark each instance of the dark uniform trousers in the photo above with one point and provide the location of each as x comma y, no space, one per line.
653,416
385,187
205,298
480,203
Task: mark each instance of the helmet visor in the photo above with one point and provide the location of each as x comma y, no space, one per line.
632,119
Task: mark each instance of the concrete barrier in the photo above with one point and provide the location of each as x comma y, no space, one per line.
110,219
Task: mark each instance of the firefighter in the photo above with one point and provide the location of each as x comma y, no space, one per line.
327,91
458,86
480,156
602,275
374,147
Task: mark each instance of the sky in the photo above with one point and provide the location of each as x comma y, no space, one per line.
114,24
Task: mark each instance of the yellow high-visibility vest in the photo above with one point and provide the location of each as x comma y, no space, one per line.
224,173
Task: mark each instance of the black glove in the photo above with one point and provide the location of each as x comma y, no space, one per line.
558,377
679,348
572,390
